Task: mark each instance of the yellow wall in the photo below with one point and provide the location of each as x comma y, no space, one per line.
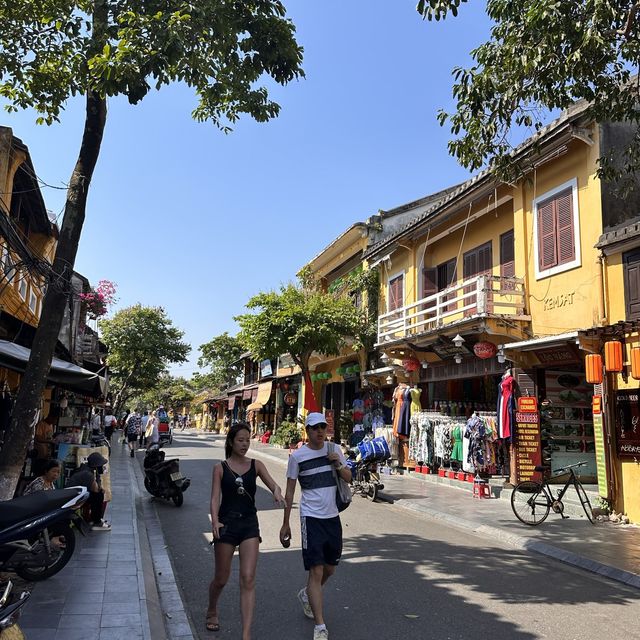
568,300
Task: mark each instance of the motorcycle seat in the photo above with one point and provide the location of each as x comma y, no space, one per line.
33,504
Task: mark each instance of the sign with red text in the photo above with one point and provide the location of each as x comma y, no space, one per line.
527,446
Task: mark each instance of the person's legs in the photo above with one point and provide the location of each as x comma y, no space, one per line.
96,502
314,592
223,556
248,561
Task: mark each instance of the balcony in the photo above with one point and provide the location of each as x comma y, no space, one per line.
478,297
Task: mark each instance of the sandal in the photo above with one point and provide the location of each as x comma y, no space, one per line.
212,622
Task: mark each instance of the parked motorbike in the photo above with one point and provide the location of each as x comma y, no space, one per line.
363,463
98,439
10,610
36,535
163,478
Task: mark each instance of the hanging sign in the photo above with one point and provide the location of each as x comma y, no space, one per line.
596,405
484,350
290,398
329,417
527,445
601,458
628,423
527,404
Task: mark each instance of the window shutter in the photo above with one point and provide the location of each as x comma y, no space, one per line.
429,282
564,218
395,293
470,264
507,255
631,262
547,256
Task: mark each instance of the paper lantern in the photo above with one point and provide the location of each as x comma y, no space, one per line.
635,363
613,355
411,364
484,350
356,369
340,371
328,376
313,377
593,366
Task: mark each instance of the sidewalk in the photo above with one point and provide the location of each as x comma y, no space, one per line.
109,591
610,550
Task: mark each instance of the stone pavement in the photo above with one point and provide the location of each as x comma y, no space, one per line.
119,584
610,550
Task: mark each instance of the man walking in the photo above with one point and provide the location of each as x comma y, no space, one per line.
143,427
313,466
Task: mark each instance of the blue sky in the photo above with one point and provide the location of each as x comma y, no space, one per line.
182,216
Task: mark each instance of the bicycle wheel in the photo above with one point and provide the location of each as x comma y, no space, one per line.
529,503
584,501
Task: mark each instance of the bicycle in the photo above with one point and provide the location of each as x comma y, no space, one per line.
532,501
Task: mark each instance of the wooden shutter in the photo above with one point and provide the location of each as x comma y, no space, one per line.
507,260
547,256
395,293
564,221
429,288
446,278
631,261
470,269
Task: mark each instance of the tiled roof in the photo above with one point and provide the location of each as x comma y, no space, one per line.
572,112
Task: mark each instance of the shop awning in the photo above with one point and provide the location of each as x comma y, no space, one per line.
537,343
264,393
66,374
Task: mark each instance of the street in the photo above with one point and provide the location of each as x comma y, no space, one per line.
401,575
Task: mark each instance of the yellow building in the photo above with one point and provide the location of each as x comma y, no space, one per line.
493,278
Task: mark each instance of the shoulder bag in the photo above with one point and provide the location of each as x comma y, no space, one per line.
343,490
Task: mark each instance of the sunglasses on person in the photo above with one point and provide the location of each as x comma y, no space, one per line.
320,425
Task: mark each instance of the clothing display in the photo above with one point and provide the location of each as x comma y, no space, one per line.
416,406
506,405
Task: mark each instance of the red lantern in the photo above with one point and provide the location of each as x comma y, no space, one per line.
613,355
484,350
593,367
635,363
411,364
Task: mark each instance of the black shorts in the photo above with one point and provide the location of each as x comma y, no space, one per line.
132,437
238,528
321,541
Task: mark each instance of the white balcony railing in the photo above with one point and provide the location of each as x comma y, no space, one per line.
480,296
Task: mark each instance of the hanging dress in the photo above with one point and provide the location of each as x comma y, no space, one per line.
404,426
416,406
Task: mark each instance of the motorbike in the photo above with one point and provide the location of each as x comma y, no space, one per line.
10,610
163,478
363,463
98,439
36,535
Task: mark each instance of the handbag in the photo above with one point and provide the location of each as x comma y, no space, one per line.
343,490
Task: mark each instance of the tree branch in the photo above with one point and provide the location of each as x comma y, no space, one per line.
630,21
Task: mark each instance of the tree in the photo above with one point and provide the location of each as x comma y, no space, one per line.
222,355
544,55
141,343
51,51
173,392
299,320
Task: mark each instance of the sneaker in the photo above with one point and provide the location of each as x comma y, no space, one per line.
132,454
304,601
320,634
103,526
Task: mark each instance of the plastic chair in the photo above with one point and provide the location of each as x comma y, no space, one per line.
481,489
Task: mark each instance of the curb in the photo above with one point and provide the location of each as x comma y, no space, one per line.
165,607
519,542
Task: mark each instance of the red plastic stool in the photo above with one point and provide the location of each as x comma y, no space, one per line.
481,488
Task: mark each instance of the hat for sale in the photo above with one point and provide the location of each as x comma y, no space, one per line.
96,460
315,418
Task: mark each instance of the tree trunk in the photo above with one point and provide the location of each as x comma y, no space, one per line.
25,412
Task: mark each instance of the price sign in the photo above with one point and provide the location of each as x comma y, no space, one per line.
527,446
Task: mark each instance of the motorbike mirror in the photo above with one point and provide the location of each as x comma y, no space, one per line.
6,593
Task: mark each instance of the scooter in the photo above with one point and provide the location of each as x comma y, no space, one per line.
365,479
163,478
36,536
10,610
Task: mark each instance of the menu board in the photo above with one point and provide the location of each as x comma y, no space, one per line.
601,459
628,423
528,448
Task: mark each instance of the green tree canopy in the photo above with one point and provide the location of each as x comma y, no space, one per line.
175,393
221,355
227,51
141,343
543,55
299,320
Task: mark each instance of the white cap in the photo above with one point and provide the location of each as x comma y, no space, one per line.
315,418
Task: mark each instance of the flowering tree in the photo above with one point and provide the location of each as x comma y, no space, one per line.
99,299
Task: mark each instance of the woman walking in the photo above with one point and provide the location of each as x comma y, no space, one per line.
234,523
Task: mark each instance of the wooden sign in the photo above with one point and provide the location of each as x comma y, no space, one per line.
527,447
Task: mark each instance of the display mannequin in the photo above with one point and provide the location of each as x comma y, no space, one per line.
416,405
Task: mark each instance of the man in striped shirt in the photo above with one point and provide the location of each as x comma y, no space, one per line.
314,465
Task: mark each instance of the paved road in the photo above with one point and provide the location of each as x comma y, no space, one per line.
401,576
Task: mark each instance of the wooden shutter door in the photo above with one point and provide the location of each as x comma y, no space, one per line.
564,219
547,256
395,293
429,288
485,267
447,278
507,259
631,261
470,269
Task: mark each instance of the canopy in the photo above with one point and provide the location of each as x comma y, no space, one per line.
264,393
66,374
